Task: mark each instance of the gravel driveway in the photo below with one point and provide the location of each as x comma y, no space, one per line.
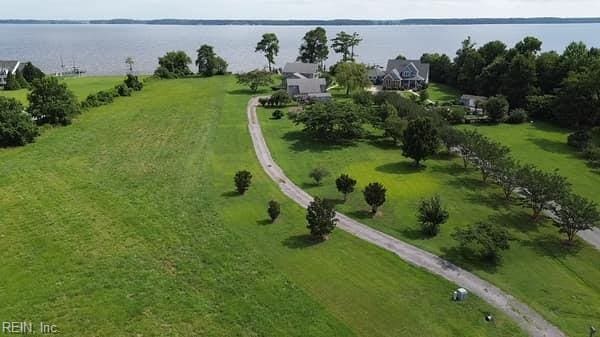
524,316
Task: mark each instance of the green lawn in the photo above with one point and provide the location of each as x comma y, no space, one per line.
546,146
561,285
81,86
125,224
442,92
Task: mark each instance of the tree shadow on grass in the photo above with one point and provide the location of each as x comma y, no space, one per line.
489,199
403,167
470,183
383,143
264,222
231,194
552,146
300,241
414,234
467,259
551,246
247,92
444,156
309,185
453,169
301,141
335,202
360,214
520,221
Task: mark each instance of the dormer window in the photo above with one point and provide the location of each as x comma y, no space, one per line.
406,73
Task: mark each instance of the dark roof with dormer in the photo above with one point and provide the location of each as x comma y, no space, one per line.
395,68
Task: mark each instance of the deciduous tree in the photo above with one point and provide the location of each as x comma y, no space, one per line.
352,76
321,218
314,47
318,174
431,215
345,184
374,195
540,188
575,214
255,79
269,46
484,239
274,210
242,181
420,139
51,102
16,126
173,65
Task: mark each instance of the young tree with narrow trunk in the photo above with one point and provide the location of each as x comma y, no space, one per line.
274,210
540,188
345,184
130,62
575,214
431,215
242,181
506,174
269,46
487,155
318,174
321,218
374,195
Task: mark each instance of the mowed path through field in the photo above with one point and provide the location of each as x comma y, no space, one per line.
527,318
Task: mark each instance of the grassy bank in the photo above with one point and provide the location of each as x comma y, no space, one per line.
81,86
125,223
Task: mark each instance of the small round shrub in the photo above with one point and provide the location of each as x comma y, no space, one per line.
123,90
453,115
133,82
592,154
264,101
363,98
277,114
16,126
517,116
293,113
580,140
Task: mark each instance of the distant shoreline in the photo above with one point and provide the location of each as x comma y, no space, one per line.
337,22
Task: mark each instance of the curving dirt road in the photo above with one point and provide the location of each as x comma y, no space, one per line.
527,318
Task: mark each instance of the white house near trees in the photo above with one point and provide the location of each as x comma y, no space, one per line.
8,67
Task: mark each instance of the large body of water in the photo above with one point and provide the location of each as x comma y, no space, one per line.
102,49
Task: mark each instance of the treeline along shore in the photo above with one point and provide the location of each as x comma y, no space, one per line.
337,22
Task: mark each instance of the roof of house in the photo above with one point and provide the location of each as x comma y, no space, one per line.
396,67
10,65
308,85
299,67
376,72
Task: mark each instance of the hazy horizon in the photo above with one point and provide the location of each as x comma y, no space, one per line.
299,9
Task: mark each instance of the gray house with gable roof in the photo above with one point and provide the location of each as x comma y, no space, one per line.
406,74
300,70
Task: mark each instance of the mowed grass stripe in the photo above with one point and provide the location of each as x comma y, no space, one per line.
123,237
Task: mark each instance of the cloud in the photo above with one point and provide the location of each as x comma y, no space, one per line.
300,9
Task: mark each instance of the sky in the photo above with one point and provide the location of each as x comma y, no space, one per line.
295,9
